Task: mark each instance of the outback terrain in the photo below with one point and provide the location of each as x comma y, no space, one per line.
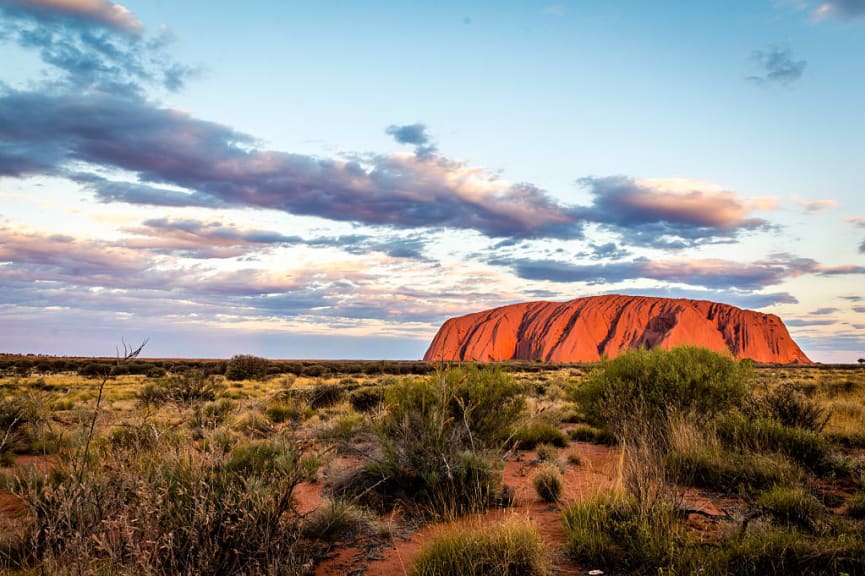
674,462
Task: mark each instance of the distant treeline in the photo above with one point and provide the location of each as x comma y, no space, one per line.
26,365
20,365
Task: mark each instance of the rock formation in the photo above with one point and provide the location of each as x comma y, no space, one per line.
585,329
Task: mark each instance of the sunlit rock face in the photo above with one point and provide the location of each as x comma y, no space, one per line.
586,329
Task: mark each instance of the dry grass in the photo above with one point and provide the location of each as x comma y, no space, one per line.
140,452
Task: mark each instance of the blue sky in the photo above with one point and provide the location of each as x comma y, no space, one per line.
334,179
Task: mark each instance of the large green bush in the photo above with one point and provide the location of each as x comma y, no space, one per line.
650,384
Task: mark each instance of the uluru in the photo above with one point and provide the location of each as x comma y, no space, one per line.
589,329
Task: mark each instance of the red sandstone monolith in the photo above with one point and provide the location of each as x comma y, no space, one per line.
587,329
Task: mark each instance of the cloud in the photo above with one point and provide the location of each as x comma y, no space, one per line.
747,300
824,311
144,275
858,221
709,273
196,239
859,309
671,213
862,247
414,134
777,66
48,134
35,257
841,9
815,206
797,322
100,12
190,238
89,53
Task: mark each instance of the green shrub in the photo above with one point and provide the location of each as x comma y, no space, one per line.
430,451
13,421
513,548
486,400
650,384
788,405
549,483
189,387
727,471
246,367
547,453
587,433
856,505
366,398
764,434
613,530
287,409
342,427
538,431
792,506
324,395
336,520
785,551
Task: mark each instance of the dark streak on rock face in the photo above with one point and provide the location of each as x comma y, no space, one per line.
585,329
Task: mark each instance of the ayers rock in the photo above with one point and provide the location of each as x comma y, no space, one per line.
585,329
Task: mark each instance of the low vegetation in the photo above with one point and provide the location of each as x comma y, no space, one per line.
205,467
512,548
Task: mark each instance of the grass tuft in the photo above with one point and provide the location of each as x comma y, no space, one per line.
513,548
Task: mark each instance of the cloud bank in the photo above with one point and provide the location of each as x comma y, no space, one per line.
671,213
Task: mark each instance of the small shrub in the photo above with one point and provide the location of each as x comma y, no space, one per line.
764,434
343,427
486,400
613,530
547,453
587,433
258,458
156,372
189,387
788,405
548,483
574,459
785,551
366,398
727,471
513,548
289,409
431,452
539,431
246,367
856,505
792,506
336,520
325,395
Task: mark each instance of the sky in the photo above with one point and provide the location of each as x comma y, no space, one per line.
334,179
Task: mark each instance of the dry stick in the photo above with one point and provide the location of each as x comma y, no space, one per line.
128,354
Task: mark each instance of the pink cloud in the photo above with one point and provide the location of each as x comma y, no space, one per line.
104,12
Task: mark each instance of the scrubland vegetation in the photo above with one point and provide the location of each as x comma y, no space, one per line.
206,467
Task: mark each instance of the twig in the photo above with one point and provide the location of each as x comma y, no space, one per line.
129,353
